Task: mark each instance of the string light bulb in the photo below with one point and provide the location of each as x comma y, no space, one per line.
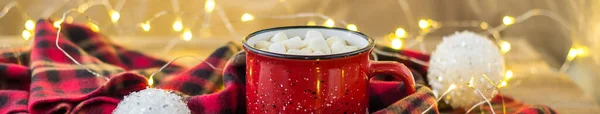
502,84
484,25
26,34
504,46
114,16
352,27
83,7
470,84
396,43
400,33
187,35
452,86
329,23
145,26
93,27
69,19
573,52
581,51
29,25
209,6
423,24
177,25
247,17
508,74
508,20
311,23
150,81
57,23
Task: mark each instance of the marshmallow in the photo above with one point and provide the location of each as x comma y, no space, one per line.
294,43
306,50
334,39
349,48
294,52
306,41
319,45
313,44
277,47
280,36
318,53
337,47
312,34
262,44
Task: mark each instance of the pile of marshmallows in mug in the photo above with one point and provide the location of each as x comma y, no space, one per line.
313,44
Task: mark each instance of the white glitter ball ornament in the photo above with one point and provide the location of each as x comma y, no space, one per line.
152,101
463,58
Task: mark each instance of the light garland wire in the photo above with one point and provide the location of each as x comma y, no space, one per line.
419,39
529,14
287,6
485,99
474,106
470,85
151,77
9,6
229,26
175,5
206,20
227,23
439,98
407,12
303,15
146,24
172,43
178,24
120,5
67,54
476,9
434,25
113,13
48,12
430,26
29,24
493,31
546,13
495,86
82,8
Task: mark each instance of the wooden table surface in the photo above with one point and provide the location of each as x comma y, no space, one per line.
558,92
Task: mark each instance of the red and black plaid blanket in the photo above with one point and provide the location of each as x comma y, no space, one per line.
40,79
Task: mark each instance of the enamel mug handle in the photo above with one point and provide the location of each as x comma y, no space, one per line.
398,70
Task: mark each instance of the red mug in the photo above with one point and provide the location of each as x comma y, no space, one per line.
328,84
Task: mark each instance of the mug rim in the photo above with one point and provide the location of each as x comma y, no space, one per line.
370,44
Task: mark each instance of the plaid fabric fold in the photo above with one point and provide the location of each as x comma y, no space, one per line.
41,79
